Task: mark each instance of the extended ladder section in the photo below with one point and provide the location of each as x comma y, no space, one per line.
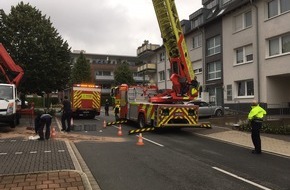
7,65
173,38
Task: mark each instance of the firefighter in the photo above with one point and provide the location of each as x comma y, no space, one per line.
66,115
107,105
256,119
117,111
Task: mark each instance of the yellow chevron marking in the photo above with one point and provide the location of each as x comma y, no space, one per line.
141,130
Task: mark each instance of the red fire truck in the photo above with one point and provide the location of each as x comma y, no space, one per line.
156,110
86,100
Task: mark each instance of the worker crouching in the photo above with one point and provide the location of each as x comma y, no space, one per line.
41,121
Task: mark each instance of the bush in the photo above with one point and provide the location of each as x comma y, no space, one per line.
268,127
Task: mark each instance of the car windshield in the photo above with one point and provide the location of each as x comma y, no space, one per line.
6,92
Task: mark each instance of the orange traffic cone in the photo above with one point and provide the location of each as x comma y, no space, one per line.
140,140
52,133
105,124
120,130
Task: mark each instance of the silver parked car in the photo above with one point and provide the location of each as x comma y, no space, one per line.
206,109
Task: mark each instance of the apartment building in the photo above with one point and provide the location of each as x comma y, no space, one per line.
256,54
104,65
243,47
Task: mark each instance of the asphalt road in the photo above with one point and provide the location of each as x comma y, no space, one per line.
178,160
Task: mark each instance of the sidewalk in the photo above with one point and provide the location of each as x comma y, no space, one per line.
276,144
53,180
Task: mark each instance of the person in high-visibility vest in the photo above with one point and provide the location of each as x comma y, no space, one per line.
255,116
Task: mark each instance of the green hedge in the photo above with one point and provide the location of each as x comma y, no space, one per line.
268,127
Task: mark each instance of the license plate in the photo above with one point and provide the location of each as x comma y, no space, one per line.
178,114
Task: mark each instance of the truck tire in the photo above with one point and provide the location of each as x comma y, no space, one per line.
141,121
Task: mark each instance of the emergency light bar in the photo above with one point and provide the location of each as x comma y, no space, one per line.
87,85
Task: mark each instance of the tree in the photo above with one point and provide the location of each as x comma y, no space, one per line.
123,74
81,71
37,47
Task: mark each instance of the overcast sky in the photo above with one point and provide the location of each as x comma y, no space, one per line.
116,27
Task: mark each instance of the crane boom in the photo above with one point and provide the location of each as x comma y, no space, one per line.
8,65
176,49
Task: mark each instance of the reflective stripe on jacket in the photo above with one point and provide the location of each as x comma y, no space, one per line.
256,112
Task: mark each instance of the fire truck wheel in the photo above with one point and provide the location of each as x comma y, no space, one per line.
141,121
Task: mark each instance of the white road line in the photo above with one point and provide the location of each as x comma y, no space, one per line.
3,153
151,141
33,152
47,151
18,152
242,179
144,138
61,150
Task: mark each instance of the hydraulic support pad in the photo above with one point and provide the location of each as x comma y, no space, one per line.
116,122
141,130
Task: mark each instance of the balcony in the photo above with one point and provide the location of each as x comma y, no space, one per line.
101,77
146,48
147,67
142,79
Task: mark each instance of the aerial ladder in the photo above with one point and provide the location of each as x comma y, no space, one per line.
185,86
11,71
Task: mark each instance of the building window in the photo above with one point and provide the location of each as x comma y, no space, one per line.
279,45
103,73
214,70
196,22
277,7
196,41
161,76
245,88
225,1
229,93
243,21
244,54
214,45
162,57
169,74
211,4
197,71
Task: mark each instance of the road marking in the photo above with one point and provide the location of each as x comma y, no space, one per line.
47,151
242,179
3,153
61,150
151,141
18,152
144,138
33,152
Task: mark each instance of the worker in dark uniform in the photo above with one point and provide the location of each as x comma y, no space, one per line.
66,115
40,121
256,118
